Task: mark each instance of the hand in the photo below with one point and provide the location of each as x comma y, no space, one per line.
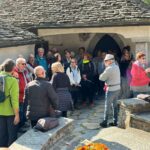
84,77
79,85
16,119
15,74
147,70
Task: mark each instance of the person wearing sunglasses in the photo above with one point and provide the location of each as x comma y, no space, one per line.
23,78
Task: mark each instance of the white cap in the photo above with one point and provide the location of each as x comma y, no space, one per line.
109,56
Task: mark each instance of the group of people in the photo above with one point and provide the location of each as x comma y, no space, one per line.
49,82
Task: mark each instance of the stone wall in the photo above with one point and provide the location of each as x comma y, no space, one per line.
128,107
74,41
138,37
32,140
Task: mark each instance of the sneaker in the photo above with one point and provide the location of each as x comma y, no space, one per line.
113,124
103,124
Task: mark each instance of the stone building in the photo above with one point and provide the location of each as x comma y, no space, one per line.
94,24
15,41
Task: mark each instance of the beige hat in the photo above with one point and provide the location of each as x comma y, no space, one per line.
109,56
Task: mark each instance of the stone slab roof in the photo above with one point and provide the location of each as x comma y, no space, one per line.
63,13
14,36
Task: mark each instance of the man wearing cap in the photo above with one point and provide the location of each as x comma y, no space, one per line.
111,76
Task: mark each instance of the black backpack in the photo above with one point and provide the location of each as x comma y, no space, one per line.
2,88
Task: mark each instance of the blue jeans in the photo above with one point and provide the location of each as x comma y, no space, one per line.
111,98
8,131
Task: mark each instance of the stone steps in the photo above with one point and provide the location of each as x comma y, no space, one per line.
32,140
141,121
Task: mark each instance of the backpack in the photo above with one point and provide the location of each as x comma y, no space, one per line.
2,88
71,69
45,124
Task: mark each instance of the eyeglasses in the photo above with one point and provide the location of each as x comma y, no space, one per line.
23,64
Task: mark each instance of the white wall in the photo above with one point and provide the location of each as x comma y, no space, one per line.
68,41
126,31
74,41
138,37
13,52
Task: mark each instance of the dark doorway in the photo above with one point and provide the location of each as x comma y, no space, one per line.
107,43
43,44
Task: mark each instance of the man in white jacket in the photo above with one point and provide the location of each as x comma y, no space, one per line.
73,73
111,76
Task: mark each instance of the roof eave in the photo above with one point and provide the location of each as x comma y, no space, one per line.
4,44
49,25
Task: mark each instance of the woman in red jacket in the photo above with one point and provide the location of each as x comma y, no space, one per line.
140,80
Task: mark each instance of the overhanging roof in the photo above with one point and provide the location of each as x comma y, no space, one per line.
14,36
73,13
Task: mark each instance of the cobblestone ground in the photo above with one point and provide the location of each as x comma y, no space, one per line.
86,127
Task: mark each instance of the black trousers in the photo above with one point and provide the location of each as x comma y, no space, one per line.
87,91
75,93
33,123
64,113
8,131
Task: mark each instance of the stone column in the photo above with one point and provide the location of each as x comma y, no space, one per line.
142,44
124,117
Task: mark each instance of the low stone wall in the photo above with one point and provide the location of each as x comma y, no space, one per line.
129,106
32,140
141,121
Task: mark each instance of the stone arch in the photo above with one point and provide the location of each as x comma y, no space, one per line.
119,39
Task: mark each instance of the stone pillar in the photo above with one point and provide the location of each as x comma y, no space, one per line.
142,45
124,117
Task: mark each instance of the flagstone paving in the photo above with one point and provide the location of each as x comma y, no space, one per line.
86,127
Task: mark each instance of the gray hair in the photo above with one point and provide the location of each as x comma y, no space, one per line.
37,70
19,60
40,49
8,65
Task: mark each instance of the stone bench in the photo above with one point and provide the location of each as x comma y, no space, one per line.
32,140
128,107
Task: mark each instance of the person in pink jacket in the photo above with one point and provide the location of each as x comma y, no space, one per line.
140,80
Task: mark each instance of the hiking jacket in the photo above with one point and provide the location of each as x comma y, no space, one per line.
139,76
111,76
12,102
24,78
40,97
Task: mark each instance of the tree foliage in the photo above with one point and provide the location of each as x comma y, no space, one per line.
147,1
